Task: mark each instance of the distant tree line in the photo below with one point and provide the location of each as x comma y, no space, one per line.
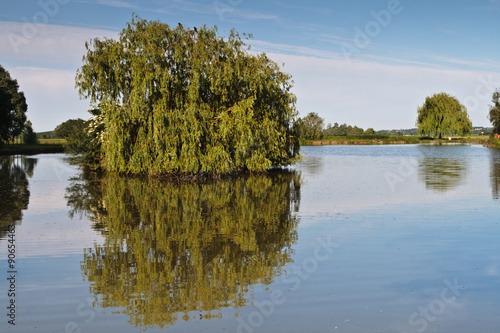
345,130
394,132
311,127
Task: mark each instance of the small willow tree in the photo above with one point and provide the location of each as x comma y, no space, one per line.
494,114
178,100
443,114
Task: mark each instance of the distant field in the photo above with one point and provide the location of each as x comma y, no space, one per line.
52,141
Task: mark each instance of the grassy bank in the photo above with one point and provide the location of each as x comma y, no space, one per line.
52,141
32,149
494,143
389,140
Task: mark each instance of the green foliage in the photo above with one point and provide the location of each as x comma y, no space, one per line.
443,114
82,141
312,126
171,249
180,100
68,127
299,129
342,130
369,131
13,107
494,114
78,141
28,136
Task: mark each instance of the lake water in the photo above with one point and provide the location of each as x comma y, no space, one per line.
402,238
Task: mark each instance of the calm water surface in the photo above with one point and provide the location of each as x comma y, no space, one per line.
353,239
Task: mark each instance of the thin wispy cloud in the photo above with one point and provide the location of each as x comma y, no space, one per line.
459,35
118,3
54,46
332,39
478,64
493,5
253,15
184,6
302,8
263,46
420,58
111,3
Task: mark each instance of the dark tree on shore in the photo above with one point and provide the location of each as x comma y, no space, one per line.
65,129
28,135
313,126
13,107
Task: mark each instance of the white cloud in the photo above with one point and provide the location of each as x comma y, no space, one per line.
57,46
45,65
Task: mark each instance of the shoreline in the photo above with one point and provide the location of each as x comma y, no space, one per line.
484,142
34,149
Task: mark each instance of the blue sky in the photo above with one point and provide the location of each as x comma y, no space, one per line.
365,63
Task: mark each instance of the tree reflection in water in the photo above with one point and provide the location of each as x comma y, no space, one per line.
14,189
175,248
495,173
442,174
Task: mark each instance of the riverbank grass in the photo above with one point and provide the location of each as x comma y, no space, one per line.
495,143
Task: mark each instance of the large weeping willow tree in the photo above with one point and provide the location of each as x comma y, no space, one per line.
443,114
179,100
